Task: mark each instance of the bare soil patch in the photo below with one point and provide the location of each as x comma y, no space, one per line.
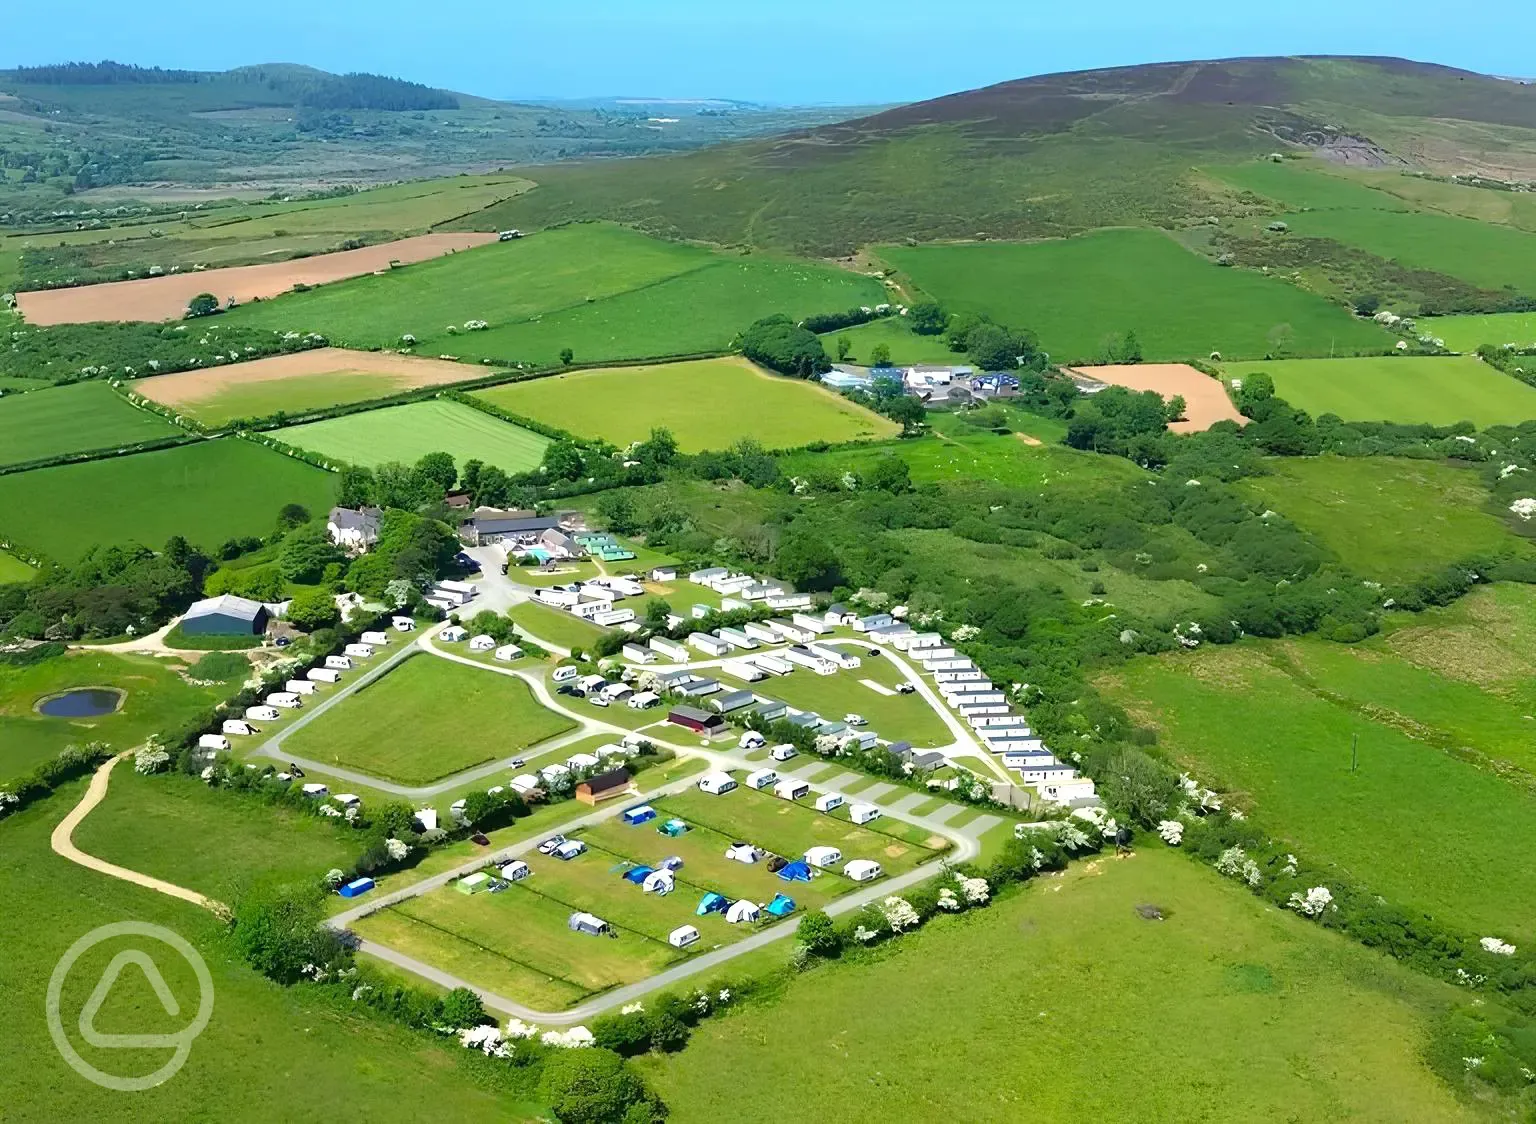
165,298
1206,401
189,389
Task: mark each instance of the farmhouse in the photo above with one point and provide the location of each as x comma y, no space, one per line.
355,531
605,786
698,721
225,616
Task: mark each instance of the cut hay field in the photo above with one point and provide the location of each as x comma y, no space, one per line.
298,382
208,492
406,433
1411,389
165,298
707,404
1206,401
1425,805
427,719
1384,517
1076,292
1468,333
1225,1002
72,419
13,569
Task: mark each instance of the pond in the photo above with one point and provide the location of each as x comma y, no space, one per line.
85,702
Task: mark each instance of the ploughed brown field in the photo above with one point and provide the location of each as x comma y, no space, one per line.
166,298
1205,399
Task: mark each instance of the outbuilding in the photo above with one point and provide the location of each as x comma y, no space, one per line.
225,616
604,786
696,720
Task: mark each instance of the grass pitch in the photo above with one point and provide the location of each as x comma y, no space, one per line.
1468,333
72,419
14,570
407,433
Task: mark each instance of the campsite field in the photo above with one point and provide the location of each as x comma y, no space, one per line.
13,569
1206,401
1468,333
1411,389
1385,517
1417,813
208,492
166,298
176,828
1225,1002
1078,291
555,625
72,419
262,1045
427,719
156,698
295,383
407,433
707,404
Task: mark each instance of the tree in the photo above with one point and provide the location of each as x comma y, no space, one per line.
278,931
437,469
1367,304
204,304
992,348
818,934
890,474
563,461
807,561
1144,789
778,343
306,553
356,488
657,610
617,511
492,488
589,1086
908,411
1130,351
928,318
844,347
880,355
1176,407
312,609
567,356
461,1008
469,476
660,448
292,515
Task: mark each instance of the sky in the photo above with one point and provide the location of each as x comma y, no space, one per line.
786,52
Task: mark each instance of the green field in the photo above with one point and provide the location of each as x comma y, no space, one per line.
208,492
707,404
1276,724
427,719
1411,389
178,829
1226,1003
1078,291
1305,185
157,698
13,569
560,628
406,433
906,346
72,419
1468,333
1384,517
264,1046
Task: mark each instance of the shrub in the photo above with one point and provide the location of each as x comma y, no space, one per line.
591,1086
221,667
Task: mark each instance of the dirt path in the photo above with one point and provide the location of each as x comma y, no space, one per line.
1029,440
63,844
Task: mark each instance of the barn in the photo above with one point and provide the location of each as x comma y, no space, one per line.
225,616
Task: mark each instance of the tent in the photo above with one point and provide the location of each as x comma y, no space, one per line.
638,874
659,882
356,888
743,853
643,814
795,872
743,911
673,828
712,903
781,906
589,924
672,862
776,864
516,871
823,856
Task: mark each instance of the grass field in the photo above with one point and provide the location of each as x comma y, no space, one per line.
1468,333
1078,291
157,698
72,419
1429,390
13,569
1225,1003
707,404
209,492
1385,518
406,433
262,1045
1414,817
555,625
295,383
427,719
177,829
906,346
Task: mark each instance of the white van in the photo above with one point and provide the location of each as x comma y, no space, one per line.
565,674
761,779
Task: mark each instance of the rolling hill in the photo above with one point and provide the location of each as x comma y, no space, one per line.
1051,155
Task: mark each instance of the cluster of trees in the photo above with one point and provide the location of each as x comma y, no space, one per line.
778,343
1125,423
369,91
67,353
106,73
834,321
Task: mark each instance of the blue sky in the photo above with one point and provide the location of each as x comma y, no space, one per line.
782,51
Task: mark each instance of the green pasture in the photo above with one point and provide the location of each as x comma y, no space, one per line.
1305,185
1409,821
407,433
1468,333
1486,639
1077,292
208,492
543,622
14,570
1386,518
906,346
157,698
1411,389
1224,1002
707,404
428,718
72,419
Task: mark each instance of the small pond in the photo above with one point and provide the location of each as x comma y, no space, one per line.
85,702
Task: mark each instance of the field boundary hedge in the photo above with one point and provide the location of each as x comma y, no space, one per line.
84,456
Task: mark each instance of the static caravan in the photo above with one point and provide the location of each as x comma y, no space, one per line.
669,648
845,660
716,784
829,801
745,670
810,623
807,658
791,631
442,604
736,583
959,663
377,639
736,638
698,611
438,595
789,600
917,641
773,665
1042,773
339,663
238,728
791,789
876,620
1026,759
731,701
300,687
637,653
582,761
586,610
757,591
359,651
863,813
757,630
732,605
467,588
664,574
612,618
937,654
699,688
213,742
966,687
969,675
1078,790
709,645
283,699
770,710
864,739
982,710
762,778
559,598
983,698
708,574
262,713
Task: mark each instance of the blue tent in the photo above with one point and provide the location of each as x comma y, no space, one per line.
640,815
795,872
673,828
638,874
356,888
712,903
780,906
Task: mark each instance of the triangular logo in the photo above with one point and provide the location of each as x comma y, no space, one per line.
103,988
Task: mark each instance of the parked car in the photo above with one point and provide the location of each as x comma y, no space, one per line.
568,689
855,720
905,688
479,840
518,762
284,641
874,651
598,700
548,846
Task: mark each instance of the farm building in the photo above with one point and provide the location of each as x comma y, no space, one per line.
696,720
604,786
355,531
495,526
225,616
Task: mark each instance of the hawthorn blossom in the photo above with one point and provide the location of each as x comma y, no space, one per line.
725,995
1313,902
1072,838
1172,832
899,914
1290,866
8,802
631,1008
1235,863
486,1039
516,1028
948,901
966,632
574,1039
1525,507
863,935
976,890
1036,858
1497,947
151,759
397,849
334,876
